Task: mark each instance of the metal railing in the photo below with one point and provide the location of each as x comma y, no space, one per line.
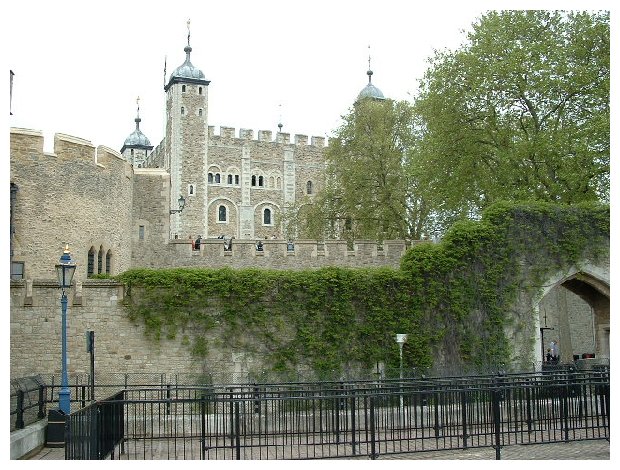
361,419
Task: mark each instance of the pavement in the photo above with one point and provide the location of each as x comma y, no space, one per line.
573,450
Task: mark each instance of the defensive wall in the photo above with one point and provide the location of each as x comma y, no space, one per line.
274,254
78,194
123,347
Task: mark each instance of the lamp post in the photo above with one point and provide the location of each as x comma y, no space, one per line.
65,271
181,205
400,339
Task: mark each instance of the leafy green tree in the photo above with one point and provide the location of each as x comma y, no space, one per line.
519,112
368,193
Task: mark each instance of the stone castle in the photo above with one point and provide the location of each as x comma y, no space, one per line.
139,207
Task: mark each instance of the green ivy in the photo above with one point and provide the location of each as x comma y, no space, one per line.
452,297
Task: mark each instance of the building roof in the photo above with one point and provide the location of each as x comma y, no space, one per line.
370,91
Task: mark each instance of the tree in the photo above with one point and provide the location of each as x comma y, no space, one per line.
367,192
519,112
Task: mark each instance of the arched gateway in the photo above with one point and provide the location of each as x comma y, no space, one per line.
572,315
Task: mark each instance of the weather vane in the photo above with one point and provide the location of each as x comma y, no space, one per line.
138,103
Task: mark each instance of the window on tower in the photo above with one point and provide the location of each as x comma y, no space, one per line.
217,178
17,270
210,178
182,111
183,88
236,179
229,180
221,214
309,187
108,261
90,269
267,216
253,180
100,260
260,181
200,112
200,90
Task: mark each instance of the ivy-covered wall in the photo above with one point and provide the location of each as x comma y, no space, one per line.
460,301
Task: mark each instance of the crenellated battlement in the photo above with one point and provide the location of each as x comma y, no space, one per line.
284,254
230,133
30,143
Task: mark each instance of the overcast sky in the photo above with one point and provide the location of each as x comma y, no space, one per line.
80,65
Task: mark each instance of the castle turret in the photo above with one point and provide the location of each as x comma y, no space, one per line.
186,147
370,91
137,145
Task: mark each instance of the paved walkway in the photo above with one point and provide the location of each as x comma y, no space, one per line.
577,450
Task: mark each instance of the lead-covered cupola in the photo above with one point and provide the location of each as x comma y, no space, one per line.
187,72
137,145
370,90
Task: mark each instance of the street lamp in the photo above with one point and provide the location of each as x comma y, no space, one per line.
400,339
181,205
65,271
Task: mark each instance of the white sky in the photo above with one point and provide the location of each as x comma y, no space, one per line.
80,65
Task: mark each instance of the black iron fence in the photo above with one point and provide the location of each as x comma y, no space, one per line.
356,419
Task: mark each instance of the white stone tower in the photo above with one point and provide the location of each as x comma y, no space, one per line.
186,146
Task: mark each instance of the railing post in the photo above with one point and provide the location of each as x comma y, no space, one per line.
237,432
41,413
203,426
464,416
528,404
436,414
168,395
495,398
373,452
564,409
353,422
256,399
19,420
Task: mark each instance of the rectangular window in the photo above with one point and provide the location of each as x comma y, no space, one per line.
141,232
17,270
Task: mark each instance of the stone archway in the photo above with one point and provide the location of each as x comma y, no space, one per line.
573,311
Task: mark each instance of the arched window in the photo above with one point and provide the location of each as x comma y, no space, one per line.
100,261
229,179
182,111
221,214
217,178
183,88
236,179
267,216
90,270
278,182
309,187
260,181
253,180
191,189
210,178
271,182
200,90
108,261
200,112
132,152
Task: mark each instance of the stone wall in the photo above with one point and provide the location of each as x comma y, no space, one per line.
307,254
120,346
79,195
